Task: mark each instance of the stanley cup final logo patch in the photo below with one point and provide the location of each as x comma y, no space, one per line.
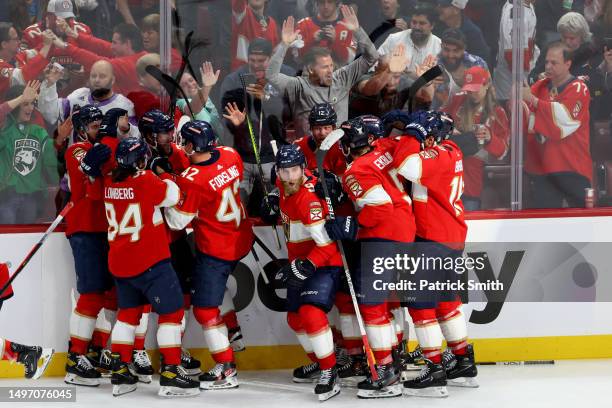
27,152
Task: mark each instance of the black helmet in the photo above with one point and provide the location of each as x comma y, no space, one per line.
322,114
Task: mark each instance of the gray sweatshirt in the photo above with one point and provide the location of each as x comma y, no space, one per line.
303,94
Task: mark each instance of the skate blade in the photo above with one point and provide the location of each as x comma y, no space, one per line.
46,355
238,346
145,379
389,391
122,389
106,374
85,382
465,382
430,392
176,392
351,382
327,395
231,382
306,380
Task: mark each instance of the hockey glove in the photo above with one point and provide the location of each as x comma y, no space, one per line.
334,187
94,159
160,165
296,273
342,228
270,209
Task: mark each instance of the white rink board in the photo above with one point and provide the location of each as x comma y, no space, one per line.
39,311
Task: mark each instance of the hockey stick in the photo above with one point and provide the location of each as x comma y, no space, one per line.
171,86
256,151
37,246
261,269
428,76
327,144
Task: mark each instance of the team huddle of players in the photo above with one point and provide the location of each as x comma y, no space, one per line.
134,196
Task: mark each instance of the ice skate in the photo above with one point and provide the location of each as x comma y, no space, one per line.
191,365
236,340
29,356
431,382
173,383
122,379
141,366
221,376
461,371
354,371
387,385
328,384
79,371
307,373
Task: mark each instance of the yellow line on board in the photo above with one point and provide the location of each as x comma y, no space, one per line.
291,356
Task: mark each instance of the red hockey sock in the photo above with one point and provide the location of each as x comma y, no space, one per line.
314,321
378,328
215,333
8,354
231,320
169,336
123,332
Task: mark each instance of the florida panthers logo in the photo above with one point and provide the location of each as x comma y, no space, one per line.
27,152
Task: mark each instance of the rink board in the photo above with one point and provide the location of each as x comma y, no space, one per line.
38,313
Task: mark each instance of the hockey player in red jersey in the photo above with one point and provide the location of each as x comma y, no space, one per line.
384,215
223,236
328,31
86,231
248,23
139,259
560,117
434,165
322,121
313,275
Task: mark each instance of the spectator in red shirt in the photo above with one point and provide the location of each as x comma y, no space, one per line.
250,22
328,31
478,116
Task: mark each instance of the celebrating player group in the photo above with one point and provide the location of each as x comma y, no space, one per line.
395,179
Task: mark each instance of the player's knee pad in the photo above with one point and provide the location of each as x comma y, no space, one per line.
207,316
294,321
447,310
90,304
174,317
313,318
130,315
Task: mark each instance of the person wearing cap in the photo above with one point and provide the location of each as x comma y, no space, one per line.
418,40
32,36
267,110
249,22
451,16
502,75
482,130
453,60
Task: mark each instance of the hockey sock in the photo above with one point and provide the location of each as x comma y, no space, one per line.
5,350
317,328
453,325
398,322
169,336
141,329
215,333
378,329
231,321
294,320
106,320
122,341
428,333
348,324
228,311
83,321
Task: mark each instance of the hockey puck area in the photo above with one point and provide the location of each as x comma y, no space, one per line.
531,385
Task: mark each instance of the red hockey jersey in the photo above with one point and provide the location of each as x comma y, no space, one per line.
384,210
87,215
342,47
212,201
246,26
303,215
436,174
334,159
136,230
561,118
499,127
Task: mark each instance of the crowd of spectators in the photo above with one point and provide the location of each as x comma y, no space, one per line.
271,61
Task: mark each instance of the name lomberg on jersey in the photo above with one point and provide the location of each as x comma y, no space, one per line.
223,178
123,193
